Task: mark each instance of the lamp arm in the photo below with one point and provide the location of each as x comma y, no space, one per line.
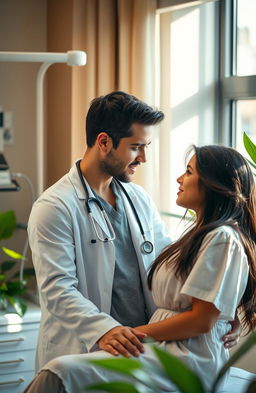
40,140
72,57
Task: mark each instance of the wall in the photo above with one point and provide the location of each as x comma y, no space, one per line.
22,28
59,79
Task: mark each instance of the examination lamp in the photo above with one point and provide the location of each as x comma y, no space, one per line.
71,58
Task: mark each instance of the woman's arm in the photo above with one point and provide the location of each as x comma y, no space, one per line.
187,324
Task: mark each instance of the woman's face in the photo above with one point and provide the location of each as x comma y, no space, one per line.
190,195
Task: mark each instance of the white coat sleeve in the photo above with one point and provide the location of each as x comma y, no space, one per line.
220,273
53,251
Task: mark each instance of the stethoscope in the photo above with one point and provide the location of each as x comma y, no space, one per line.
146,247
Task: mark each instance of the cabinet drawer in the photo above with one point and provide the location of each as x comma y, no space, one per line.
22,327
18,341
15,383
13,362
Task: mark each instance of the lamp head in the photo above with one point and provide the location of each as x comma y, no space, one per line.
76,58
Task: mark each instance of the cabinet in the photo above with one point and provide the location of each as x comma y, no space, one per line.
18,338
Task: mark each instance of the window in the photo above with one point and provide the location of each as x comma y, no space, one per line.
206,85
238,72
246,37
187,76
245,121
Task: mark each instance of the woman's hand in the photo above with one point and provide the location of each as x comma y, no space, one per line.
232,338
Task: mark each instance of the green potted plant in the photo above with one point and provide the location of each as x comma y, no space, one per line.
12,284
251,149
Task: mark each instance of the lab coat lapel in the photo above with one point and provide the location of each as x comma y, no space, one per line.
81,194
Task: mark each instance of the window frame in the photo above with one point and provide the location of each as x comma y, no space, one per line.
231,87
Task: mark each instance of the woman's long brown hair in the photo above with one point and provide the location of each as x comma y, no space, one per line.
230,199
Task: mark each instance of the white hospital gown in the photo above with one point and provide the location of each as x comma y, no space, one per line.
219,276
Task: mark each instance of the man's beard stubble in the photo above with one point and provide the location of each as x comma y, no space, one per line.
114,167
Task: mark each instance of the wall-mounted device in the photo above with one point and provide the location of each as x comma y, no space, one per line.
6,182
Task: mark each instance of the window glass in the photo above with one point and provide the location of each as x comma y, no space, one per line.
245,122
187,75
246,37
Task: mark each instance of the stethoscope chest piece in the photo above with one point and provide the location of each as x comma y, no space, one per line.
146,247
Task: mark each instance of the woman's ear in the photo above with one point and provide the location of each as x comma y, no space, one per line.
104,142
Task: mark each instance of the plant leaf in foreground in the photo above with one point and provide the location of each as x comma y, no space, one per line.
115,387
121,365
250,147
130,367
18,304
180,374
12,254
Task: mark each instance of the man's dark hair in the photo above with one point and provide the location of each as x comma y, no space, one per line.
115,113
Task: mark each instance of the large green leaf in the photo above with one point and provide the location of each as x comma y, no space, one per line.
18,304
121,365
15,288
180,374
250,147
7,265
3,287
3,301
12,254
116,387
27,273
248,344
7,224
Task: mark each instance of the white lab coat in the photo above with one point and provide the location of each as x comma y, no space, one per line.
75,276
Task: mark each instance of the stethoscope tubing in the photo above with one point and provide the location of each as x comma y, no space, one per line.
133,208
146,247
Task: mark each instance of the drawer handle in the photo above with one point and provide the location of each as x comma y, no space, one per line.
20,360
19,381
14,340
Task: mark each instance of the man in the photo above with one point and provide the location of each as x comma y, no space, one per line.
89,288
93,290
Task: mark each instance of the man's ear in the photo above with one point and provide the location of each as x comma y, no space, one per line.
104,142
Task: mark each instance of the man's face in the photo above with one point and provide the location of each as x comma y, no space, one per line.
122,162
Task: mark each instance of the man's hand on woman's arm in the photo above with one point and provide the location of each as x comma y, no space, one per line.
122,340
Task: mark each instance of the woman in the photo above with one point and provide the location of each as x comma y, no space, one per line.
211,270
199,281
